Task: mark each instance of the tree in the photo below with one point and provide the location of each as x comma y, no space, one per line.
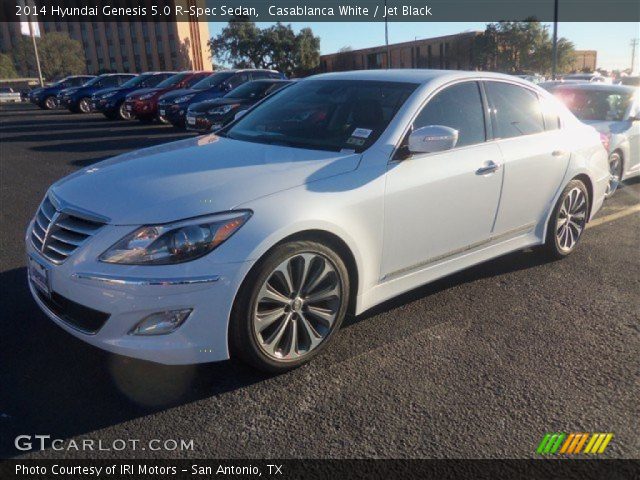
7,68
60,56
513,47
244,45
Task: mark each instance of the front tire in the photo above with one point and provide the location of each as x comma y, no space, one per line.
289,306
123,113
568,220
84,105
50,103
615,169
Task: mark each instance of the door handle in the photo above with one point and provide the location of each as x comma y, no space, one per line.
559,153
488,167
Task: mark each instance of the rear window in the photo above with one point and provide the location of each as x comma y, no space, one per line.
596,105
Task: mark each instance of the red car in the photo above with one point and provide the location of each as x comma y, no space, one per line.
143,104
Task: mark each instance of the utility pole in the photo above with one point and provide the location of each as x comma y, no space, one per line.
386,34
35,49
554,65
634,44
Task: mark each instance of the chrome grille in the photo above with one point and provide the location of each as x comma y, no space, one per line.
57,234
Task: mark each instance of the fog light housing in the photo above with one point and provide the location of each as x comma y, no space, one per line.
161,323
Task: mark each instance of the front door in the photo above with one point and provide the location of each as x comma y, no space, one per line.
440,204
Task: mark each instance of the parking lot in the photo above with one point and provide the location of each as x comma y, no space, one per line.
481,364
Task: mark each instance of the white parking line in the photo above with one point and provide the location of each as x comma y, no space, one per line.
614,216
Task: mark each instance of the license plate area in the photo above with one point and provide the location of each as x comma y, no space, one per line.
162,112
191,120
39,276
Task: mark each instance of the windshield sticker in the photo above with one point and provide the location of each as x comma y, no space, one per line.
355,141
361,133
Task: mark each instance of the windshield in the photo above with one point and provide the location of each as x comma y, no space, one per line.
603,105
324,115
250,90
173,80
212,80
144,78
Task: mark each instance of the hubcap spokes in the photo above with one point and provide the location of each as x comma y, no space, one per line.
297,306
571,219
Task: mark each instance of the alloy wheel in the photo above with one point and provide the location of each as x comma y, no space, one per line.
50,103
297,306
571,219
124,113
84,105
615,170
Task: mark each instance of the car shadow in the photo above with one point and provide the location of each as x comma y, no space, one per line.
56,384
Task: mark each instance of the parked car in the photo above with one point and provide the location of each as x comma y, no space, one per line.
212,115
9,95
173,105
46,97
143,104
586,77
111,101
613,110
631,81
78,99
334,195
532,77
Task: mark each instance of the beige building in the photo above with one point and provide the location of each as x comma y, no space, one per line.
130,47
449,52
585,60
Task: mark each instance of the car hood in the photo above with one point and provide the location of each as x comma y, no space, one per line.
144,91
177,93
208,104
103,91
612,127
193,177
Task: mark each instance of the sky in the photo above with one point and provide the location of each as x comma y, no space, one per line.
610,40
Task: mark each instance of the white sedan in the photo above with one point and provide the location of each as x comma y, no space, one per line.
613,110
329,197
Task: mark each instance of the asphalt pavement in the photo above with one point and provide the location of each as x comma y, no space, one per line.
478,365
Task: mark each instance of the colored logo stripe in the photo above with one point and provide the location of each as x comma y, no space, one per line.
573,443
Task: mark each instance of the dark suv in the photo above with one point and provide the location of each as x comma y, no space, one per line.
45,97
78,99
173,105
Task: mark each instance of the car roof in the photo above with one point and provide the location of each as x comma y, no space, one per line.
419,76
597,87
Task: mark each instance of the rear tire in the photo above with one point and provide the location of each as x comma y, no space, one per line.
568,220
289,306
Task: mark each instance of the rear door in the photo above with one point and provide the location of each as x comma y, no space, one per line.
534,151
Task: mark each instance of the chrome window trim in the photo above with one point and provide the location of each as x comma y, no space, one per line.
142,281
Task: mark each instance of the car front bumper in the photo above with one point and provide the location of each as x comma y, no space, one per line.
128,297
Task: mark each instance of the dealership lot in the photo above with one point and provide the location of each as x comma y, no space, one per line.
481,364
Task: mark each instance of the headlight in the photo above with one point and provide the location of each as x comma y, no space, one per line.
146,96
222,110
110,94
184,98
177,242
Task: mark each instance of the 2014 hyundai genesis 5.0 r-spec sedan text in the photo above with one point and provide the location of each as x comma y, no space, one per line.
331,196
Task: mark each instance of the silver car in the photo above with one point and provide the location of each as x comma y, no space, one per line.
614,110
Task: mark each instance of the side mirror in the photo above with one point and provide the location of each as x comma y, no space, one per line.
432,138
240,114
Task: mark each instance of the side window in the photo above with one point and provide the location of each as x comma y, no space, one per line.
238,80
516,110
458,107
